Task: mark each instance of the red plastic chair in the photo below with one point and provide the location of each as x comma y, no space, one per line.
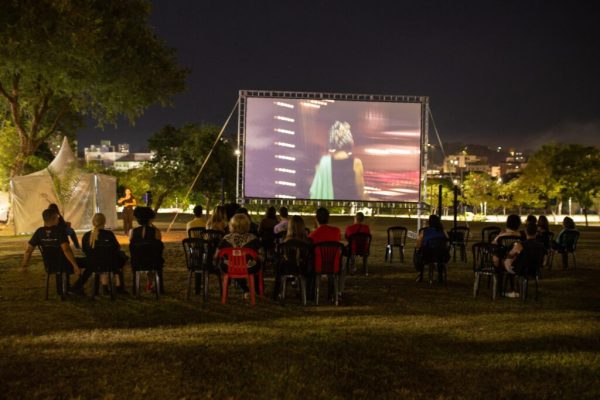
237,268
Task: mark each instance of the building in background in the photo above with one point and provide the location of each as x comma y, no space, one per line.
117,157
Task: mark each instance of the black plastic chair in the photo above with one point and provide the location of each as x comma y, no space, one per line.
146,257
103,259
196,232
570,240
488,233
436,254
293,262
483,266
55,264
396,237
328,261
459,237
359,245
530,272
198,265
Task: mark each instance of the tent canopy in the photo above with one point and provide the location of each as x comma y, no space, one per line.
78,194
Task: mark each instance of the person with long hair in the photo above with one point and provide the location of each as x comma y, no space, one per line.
100,235
218,220
129,203
296,230
267,224
339,174
433,232
65,226
149,234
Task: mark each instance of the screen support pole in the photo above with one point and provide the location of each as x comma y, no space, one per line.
187,194
424,159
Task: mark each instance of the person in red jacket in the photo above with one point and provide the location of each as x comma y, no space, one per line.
358,227
324,232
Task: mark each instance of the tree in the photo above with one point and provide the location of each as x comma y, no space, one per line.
577,168
480,190
178,156
63,60
540,177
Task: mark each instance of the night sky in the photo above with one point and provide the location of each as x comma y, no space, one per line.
509,73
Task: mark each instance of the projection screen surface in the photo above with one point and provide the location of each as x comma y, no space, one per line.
332,150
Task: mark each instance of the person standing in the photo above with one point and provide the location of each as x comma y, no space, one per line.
128,202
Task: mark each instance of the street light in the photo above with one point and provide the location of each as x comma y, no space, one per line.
237,152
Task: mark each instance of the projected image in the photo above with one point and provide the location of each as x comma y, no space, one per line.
332,150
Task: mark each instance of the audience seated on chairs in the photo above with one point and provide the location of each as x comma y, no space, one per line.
147,233
239,236
525,258
66,226
199,220
52,235
324,233
544,235
218,220
106,239
283,221
513,222
426,252
358,227
253,227
268,223
296,235
565,240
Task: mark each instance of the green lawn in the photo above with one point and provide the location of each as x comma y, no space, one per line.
392,338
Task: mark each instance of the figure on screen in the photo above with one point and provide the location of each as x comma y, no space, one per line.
339,175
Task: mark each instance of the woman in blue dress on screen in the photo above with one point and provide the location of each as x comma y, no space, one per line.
339,175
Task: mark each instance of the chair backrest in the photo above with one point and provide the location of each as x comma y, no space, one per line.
103,257
196,251
507,242
54,259
570,239
196,232
212,235
530,260
359,244
267,239
237,260
459,235
397,235
146,256
328,257
436,250
294,257
488,233
482,253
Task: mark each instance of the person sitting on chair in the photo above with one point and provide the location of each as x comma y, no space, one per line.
324,232
296,230
253,226
148,233
283,221
525,257
513,222
51,235
434,231
358,227
218,220
66,226
199,220
100,235
560,243
239,236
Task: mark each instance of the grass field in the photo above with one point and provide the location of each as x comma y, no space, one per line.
391,339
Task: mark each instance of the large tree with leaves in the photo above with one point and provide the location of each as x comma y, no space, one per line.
61,60
178,154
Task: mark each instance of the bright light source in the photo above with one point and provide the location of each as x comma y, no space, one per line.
237,152
310,105
284,144
282,157
321,103
286,131
286,170
284,196
282,118
285,183
282,104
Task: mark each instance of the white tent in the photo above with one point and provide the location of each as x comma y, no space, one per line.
78,194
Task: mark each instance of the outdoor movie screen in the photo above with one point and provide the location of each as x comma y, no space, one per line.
332,150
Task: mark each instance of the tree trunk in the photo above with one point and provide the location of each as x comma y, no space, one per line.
585,214
159,201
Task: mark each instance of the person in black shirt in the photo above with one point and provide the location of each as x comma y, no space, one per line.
66,226
53,236
526,256
147,233
107,239
129,203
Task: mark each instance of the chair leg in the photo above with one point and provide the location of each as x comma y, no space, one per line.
205,277
136,286
224,288
523,288
282,285
157,285
494,286
261,284
476,284
574,261
430,273
252,289
189,285
537,285
302,282
336,284
317,287
401,250
111,285
47,284
365,267
63,284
